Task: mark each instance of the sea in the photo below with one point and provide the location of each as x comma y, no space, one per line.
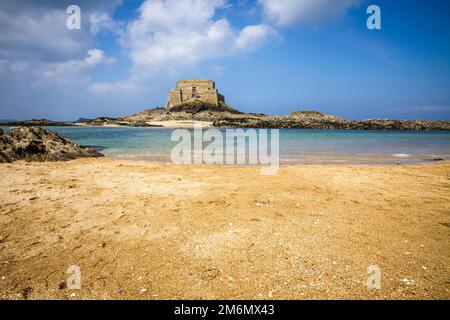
296,146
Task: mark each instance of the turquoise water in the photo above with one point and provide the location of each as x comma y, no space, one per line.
296,145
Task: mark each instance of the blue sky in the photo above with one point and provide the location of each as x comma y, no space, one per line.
270,56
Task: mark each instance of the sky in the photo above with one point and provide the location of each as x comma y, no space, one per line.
266,56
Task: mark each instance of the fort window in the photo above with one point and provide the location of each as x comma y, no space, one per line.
194,92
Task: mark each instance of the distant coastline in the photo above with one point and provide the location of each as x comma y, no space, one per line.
187,114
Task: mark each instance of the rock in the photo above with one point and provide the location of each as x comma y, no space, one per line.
318,120
187,111
83,120
39,144
104,120
1,131
38,122
307,113
225,116
26,292
196,106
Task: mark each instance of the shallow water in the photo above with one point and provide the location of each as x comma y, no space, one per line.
296,145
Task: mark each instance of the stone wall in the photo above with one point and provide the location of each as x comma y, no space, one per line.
186,90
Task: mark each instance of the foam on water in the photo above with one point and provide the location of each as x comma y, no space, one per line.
401,155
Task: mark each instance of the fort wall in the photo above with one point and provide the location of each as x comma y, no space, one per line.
188,90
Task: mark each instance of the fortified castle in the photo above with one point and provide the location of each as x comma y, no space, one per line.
195,90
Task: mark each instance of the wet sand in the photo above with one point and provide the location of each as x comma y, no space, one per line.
161,231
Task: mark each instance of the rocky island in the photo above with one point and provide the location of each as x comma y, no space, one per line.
199,100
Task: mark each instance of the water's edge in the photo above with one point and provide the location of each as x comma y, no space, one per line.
297,146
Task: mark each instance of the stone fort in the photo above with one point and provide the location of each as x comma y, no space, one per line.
195,90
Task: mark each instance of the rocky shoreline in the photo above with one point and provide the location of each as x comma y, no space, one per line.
37,123
233,118
39,144
333,123
297,120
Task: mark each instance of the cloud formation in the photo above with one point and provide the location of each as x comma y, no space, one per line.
66,74
167,37
164,38
36,30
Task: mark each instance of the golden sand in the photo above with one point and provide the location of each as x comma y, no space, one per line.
159,231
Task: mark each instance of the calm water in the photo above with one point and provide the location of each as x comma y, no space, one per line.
296,146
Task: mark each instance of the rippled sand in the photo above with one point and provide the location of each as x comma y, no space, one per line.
159,231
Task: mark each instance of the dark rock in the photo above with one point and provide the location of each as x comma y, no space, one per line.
1,131
307,113
100,121
223,117
82,120
38,123
26,292
317,120
196,106
62,285
39,144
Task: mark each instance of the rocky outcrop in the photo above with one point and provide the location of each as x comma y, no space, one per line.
226,116
191,110
317,120
38,144
196,106
38,123
298,120
82,120
106,121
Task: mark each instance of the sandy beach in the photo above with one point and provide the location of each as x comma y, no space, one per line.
160,231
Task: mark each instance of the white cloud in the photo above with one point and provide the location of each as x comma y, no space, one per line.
36,30
102,21
72,72
39,35
167,37
170,35
251,37
97,56
291,12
